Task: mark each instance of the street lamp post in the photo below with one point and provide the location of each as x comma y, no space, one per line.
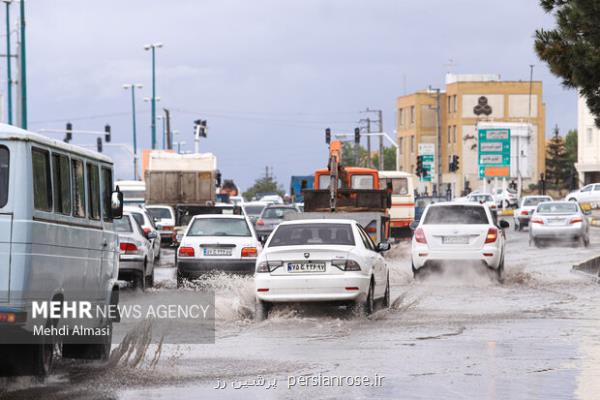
8,64
153,47
23,74
133,86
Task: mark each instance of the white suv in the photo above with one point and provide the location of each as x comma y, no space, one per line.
458,233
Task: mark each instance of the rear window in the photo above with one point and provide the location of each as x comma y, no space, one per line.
160,213
253,210
219,227
4,163
557,208
456,215
534,201
278,213
312,234
481,198
123,225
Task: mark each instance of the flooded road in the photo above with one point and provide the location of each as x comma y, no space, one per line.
459,335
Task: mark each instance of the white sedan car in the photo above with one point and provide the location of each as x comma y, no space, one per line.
217,242
458,234
331,261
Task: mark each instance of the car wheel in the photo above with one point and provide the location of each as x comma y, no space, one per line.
150,279
261,311
180,279
386,296
500,271
367,306
586,241
158,254
572,199
537,244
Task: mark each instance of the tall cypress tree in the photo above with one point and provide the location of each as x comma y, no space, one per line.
572,48
557,163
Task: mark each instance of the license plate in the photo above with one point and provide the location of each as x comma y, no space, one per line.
306,267
556,221
217,252
455,239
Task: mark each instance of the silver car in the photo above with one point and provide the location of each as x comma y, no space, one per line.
136,260
527,207
271,217
558,221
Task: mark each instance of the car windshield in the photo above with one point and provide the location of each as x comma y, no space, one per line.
456,215
253,210
534,201
557,208
312,234
159,213
4,158
362,182
123,225
219,227
277,213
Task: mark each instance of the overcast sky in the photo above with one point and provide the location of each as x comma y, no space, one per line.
268,75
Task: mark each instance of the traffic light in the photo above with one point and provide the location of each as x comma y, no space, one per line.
327,135
107,133
200,128
68,133
99,144
419,170
455,160
356,135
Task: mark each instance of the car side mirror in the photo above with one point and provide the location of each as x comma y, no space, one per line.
116,204
504,224
413,225
383,246
152,235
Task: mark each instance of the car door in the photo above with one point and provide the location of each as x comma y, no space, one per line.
375,260
585,193
595,194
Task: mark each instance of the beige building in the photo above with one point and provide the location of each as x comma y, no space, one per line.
465,101
588,145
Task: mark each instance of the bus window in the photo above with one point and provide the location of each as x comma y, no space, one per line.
399,185
42,184
62,183
78,188
93,180
107,185
362,182
4,164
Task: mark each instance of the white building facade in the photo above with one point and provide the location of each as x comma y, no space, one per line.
588,145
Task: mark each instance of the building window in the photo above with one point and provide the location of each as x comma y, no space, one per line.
455,106
412,114
400,144
449,133
590,136
449,104
400,117
42,182
412,144
454,133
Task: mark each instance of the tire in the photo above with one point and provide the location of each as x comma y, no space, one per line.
180,279
90,351
157,257
367,306
150,279
586,241
139,280
386,297
572,199
261,310
415,272
537,244
500,272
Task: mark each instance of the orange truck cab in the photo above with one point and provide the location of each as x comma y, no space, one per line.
351,178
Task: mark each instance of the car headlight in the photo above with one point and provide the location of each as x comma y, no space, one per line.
268,266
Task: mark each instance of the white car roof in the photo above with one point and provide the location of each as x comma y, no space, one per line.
454,203
223,216
160,206
318,221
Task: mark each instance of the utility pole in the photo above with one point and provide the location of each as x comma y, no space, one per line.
133,86
23,73
438,126
8,65
380,123
153,48
367,128
168,127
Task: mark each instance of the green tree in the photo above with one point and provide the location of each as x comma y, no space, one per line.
557,165
572,48
571,146
389,159
264,184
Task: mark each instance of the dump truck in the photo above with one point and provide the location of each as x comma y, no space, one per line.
186,182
